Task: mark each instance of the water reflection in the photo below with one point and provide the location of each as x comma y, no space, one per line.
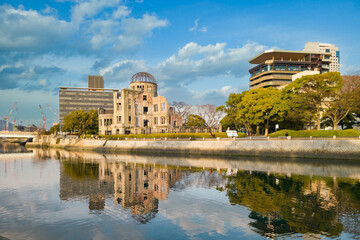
135,187
213,198
299,204
8,147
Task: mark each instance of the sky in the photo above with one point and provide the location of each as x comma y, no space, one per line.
198,51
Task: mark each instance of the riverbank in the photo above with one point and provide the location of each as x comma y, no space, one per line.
310,148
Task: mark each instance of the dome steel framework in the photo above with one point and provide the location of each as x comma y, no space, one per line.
143,77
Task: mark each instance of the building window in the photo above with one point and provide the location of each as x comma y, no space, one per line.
145,110
264,69
146,123
129,119
155,108
162,106
119,106
129,106
327,50
144,98
119,118
257,71
155,120
280,67
162,120
293,68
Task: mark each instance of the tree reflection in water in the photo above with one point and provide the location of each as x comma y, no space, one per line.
299,204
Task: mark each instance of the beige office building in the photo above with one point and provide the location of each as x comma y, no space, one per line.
332,63
275,68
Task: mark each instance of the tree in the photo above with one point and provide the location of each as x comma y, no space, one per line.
230,109
307,95
345,100
195,121
81,122
182,108
55,128
256,106
209,113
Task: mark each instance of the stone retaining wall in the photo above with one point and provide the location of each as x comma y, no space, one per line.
324,148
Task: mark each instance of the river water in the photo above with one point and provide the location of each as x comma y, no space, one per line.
55,194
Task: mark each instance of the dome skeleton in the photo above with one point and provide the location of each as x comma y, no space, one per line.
143,77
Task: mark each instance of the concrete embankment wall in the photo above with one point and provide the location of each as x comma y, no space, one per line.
323,148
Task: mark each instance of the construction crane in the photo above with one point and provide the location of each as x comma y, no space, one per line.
53,111
43,117
7,118
15,117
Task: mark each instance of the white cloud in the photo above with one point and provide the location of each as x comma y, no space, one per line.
216,61
30,31
90,8
192,49
196,27
121,11
135,29
121,72
49,10
179,74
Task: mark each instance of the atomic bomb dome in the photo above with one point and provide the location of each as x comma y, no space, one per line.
143,77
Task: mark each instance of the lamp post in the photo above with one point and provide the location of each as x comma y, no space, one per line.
267,124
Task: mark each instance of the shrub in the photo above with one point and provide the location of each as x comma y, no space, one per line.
317,133
169,135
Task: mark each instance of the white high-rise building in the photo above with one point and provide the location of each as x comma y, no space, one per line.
331,63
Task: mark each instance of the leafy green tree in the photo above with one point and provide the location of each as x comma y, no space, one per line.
55,128
306,96
230,109
256,106
195,121
81,122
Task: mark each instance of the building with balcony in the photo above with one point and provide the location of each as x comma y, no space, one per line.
275,68
332,62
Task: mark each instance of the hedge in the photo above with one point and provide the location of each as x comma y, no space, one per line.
317,133
169,135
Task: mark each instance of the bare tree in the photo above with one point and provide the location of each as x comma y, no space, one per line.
345,101
182,108
209,113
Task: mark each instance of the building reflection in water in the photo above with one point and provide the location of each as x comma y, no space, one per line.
138,188
279,204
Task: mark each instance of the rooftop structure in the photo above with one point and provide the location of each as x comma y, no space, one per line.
95,81
275,67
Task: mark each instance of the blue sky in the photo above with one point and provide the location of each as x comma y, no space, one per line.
197,50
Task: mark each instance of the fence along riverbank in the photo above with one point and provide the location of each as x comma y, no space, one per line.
311,148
